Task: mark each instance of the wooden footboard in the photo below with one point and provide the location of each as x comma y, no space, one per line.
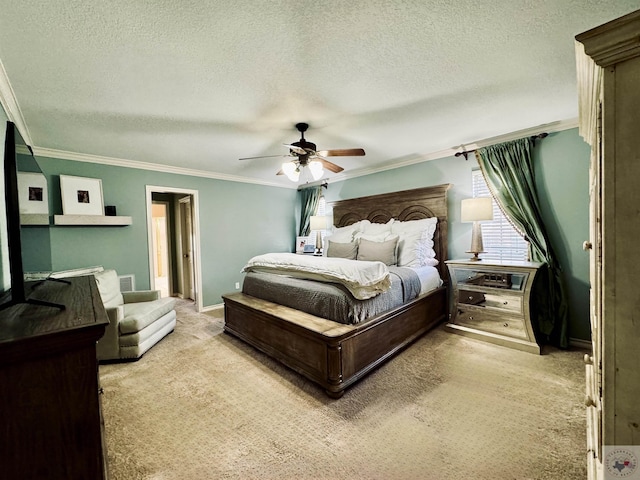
331,354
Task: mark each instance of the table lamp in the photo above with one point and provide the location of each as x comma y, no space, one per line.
318,223
476,210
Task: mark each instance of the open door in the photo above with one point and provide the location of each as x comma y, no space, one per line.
186,235
177,273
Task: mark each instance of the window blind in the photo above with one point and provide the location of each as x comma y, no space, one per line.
500,240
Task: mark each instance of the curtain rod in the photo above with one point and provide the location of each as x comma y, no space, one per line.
466,153
320,183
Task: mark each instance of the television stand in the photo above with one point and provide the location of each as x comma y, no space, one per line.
49,393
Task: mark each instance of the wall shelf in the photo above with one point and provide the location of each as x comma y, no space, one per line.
34,219
91,220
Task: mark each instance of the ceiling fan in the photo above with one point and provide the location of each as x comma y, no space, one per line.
304,154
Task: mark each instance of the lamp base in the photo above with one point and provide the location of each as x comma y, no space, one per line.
476,242
475,257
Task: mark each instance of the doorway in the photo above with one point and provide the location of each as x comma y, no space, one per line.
161,247
174,242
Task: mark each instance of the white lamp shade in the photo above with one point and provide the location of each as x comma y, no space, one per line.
476,209
291,170
318,222
316,169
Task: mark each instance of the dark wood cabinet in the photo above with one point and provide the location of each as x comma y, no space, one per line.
50,414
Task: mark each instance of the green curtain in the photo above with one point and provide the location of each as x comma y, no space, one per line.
310,197
509,173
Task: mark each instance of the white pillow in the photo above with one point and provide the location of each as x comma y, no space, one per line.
411,226
378,237
346,234
414,249
431,262
369,228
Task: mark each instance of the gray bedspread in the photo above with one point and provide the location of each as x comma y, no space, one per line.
330,300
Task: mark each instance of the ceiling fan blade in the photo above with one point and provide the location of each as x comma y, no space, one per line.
332,167
344,152
265,156
296,149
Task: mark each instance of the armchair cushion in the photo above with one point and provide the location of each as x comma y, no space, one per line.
141,296
109,287
139,315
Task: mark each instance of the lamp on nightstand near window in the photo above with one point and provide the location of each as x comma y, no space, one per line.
476,210
318,223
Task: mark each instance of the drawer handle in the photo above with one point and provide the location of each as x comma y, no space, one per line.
506,324
470,297
588,360
505,303
470,317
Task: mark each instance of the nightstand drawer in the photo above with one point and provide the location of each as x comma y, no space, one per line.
508,303
514,281
502,324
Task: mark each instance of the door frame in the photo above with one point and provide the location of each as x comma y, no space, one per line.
184,203
195,225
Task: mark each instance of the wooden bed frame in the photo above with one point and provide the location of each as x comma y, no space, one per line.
332,354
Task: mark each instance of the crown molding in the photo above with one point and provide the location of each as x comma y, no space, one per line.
450,152
10,104
156,167
614,41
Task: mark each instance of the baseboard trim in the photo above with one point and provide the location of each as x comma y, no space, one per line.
579,343
209,308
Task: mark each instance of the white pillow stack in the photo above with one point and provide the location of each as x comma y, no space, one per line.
414,240
415,244
342,235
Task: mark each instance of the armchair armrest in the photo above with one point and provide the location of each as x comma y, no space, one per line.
108,346
141,296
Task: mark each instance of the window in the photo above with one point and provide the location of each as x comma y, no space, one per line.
500,240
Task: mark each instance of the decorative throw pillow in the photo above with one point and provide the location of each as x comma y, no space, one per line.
341,250
384,252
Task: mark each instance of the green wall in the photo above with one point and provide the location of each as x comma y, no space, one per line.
562,172
237,221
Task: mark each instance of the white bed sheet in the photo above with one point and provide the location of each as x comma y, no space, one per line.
429,278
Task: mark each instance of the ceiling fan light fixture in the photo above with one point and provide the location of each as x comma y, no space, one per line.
316,169
291,170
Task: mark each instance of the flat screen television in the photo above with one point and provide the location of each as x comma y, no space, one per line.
12,288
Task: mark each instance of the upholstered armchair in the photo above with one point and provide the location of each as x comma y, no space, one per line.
137,320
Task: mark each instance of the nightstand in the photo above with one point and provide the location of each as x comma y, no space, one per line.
491,301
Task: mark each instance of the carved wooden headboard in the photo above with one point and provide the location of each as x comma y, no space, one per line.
405,205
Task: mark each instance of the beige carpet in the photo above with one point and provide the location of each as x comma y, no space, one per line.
203,405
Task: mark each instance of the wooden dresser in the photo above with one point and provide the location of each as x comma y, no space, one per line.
490,301
50,415
610,123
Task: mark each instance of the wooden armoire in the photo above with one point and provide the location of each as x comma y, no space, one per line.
609,90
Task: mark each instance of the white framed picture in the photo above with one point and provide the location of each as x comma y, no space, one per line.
81,195
300,244
33,195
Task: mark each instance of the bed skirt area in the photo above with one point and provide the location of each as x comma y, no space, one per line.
331,354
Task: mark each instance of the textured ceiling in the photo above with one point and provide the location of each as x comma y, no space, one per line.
198,84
